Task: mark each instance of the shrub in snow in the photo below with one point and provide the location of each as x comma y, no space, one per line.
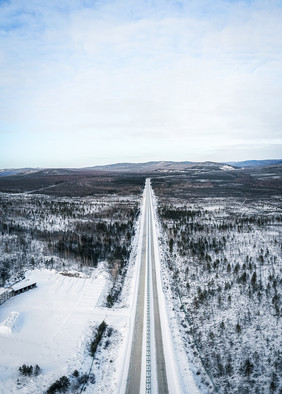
83,378
92,378
60,386
98,337
26,370
248,367
75,373
110,300
37,370
107,343
110,331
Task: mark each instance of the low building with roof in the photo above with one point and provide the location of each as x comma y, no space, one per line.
22,287
18,288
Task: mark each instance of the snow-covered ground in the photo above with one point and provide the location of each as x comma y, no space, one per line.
223,261
53,324
47,326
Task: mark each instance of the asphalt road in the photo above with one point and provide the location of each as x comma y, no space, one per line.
144,330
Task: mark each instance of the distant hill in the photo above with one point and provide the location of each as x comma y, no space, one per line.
107,179
148,167
143,167
37,171
18,171
254,163
182,166
162,166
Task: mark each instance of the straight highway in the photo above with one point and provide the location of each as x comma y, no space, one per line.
147,368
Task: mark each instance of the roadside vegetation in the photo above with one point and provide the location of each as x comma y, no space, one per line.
79,380
224,258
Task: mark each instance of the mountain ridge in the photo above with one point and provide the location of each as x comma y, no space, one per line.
150,166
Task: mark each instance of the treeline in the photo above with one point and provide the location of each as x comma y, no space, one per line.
38,230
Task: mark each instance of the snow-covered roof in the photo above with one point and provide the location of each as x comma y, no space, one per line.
22,285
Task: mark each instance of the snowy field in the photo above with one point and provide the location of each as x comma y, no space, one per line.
50,326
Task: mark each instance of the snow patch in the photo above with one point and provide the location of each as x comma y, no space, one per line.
10,324
226,168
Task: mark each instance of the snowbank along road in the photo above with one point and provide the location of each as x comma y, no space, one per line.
151,366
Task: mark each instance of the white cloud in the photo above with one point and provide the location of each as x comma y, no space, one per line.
171,75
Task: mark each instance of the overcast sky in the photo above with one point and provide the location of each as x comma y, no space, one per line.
86,82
